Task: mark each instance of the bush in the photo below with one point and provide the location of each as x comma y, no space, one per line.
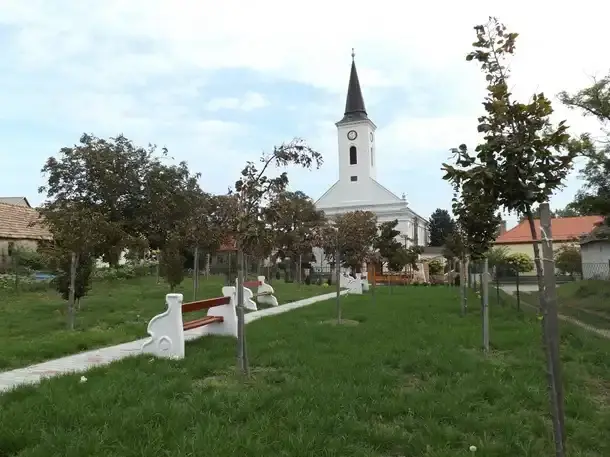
308,280
520,262
26,284
435,267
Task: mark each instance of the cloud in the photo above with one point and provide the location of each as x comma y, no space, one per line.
148,68
251,101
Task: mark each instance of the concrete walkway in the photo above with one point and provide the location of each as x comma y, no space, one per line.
103,356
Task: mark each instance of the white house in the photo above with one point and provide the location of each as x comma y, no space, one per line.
357,187
595,254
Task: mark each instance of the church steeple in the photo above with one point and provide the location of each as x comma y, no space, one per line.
354,103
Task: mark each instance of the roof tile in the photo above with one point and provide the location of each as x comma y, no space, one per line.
563,228
21,223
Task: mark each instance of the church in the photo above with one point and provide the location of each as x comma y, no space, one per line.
357,187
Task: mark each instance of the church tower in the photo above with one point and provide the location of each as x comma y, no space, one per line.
356,135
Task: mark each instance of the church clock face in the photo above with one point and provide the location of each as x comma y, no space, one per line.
352,135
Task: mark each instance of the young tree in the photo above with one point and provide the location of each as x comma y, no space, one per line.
357,231
388,246
296,225
77,230
521,161
568,259
254,190
441,224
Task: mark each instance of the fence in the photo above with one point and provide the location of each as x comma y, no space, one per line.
596,271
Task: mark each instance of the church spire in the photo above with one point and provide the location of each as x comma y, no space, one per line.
354,104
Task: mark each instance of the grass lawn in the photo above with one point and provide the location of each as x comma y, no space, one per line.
409,380
586,301
33,325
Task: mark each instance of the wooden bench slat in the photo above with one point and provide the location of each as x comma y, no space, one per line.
249,284
201,322
205,304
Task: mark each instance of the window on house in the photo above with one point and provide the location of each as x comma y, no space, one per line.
353,155
354,178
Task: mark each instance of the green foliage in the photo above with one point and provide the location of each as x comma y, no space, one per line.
84,270
440,225
172,262
497,256
254,190
519,262
523,158
389,248
568,259
355,232
9,284
296,224
435,267
29,259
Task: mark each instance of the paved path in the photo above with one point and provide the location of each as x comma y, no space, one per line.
103,356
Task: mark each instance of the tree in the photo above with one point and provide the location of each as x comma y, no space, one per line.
253,192
519,262
357,231
496,256
440,225
521,161
568,259
594,197
77,230
108,175
296,225
388,246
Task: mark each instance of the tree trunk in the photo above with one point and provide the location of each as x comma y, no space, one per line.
463,298
159,267
485,295
550,324
195,272
72,292
338,281
242,364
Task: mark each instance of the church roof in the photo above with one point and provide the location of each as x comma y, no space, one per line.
354,103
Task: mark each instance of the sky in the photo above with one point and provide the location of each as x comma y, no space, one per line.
217,83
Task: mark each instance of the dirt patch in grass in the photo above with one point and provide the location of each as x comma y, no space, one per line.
230,379
345,322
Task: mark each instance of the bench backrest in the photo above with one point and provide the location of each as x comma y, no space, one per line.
205,304
250,284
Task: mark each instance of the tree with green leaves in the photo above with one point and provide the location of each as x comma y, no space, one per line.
519,262
522,159
440,225
594,197
77,231
568,259
109,175
355,232
296,225
388,246
254,190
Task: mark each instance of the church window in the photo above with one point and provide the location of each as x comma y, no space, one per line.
353,178
372,162
353,155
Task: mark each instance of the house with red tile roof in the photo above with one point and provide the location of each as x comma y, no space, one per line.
566,230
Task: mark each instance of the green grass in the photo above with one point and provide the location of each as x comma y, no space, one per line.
33,325
586,301
409,380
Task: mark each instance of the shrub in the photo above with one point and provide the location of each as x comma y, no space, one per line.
520,262
435,267
26,284
308,280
